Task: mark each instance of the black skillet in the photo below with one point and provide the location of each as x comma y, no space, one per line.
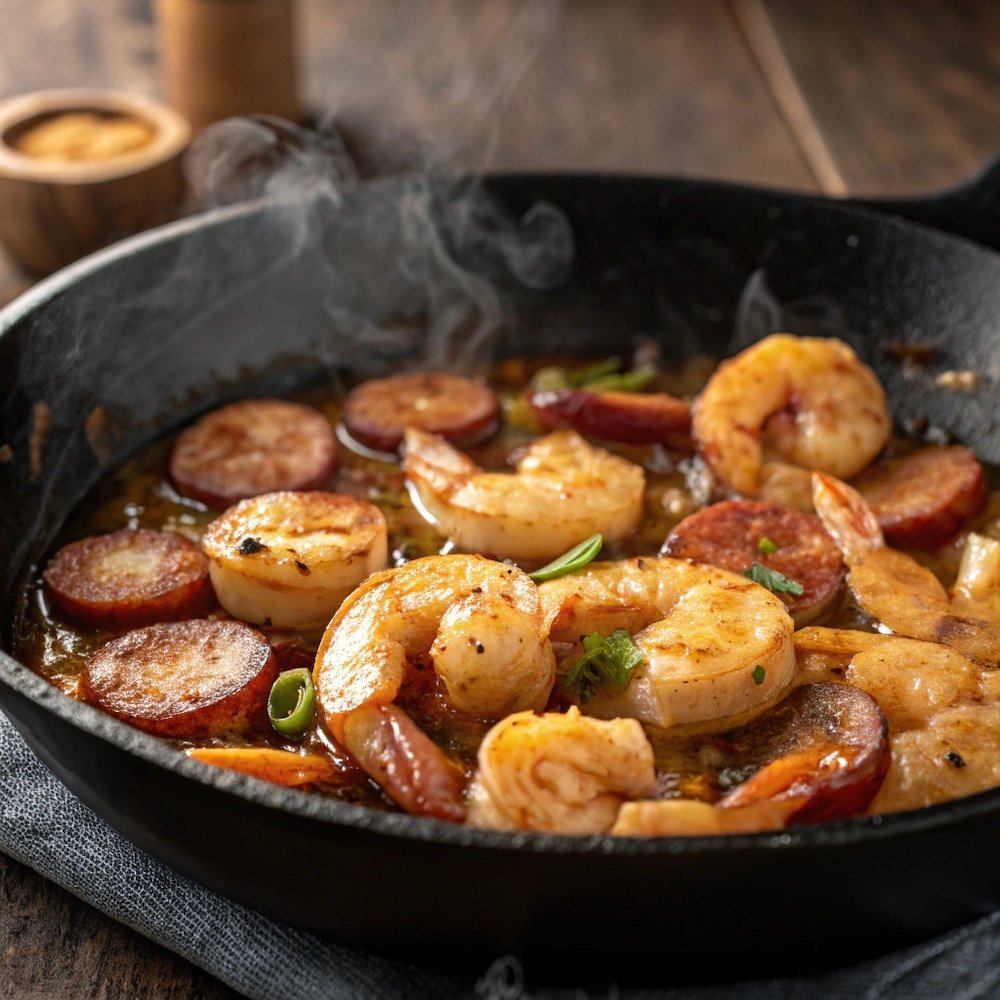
262,298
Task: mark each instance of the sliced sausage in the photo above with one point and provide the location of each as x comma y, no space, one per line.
825,748
735,534
463,410
251,447
629,417
186,680
924,498
129,578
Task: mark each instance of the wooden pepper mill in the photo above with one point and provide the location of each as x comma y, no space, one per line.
221,58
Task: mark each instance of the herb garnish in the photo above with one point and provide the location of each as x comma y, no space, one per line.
576,558
607,660
291,705
604,376
758,674
766,546
775,582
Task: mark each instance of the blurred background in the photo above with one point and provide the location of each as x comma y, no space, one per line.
858,96
888,97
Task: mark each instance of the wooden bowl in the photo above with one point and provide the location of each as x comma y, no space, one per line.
54,211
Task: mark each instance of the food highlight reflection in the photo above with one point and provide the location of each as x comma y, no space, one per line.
424,623
731,662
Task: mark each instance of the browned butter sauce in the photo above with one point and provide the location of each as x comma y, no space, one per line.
953,750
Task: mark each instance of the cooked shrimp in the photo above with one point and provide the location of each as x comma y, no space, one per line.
563,490
690,818
559,772
911,680
480,624
904,596
956,754
810,398
704,633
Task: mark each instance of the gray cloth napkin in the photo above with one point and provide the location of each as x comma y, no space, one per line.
43,825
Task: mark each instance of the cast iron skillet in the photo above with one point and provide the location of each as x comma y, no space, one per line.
267,296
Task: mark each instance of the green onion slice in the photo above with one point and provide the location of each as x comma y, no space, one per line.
291,704
776,582
568,562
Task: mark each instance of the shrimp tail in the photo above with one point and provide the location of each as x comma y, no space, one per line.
845,514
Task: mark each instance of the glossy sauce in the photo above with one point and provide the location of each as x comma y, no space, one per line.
138,495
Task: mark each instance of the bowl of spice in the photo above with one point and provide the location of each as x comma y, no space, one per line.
81,168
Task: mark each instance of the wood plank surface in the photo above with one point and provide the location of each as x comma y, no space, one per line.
906,95
52,946
889,97
638,86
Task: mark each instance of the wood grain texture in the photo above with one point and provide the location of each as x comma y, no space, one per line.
906,95
54,946
636,86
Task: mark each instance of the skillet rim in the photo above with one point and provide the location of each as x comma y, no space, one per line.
151,749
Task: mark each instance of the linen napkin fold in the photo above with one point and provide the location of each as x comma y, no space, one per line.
44,826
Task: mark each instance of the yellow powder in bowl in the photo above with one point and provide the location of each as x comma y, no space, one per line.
77,136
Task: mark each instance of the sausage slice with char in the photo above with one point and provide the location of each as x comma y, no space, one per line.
924,498
251,447
735,534
185,680
629,417
129,578
462,410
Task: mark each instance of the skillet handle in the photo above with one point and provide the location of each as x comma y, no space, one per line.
972,209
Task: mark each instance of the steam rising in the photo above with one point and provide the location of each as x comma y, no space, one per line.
759,313
407,274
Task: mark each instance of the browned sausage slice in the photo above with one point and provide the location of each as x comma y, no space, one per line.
463,410
735,534
922,499
251,447
825,748
129,578
629,417
187,680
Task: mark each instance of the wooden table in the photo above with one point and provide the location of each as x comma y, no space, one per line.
861,96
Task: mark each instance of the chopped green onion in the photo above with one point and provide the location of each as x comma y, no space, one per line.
631,381
776,582
766,546
576,558
606,661
758,674
603,376
593,373
291,704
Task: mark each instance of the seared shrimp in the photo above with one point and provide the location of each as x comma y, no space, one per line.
716,646
904,596
912,680
479,623
563,490
560,773
810,398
